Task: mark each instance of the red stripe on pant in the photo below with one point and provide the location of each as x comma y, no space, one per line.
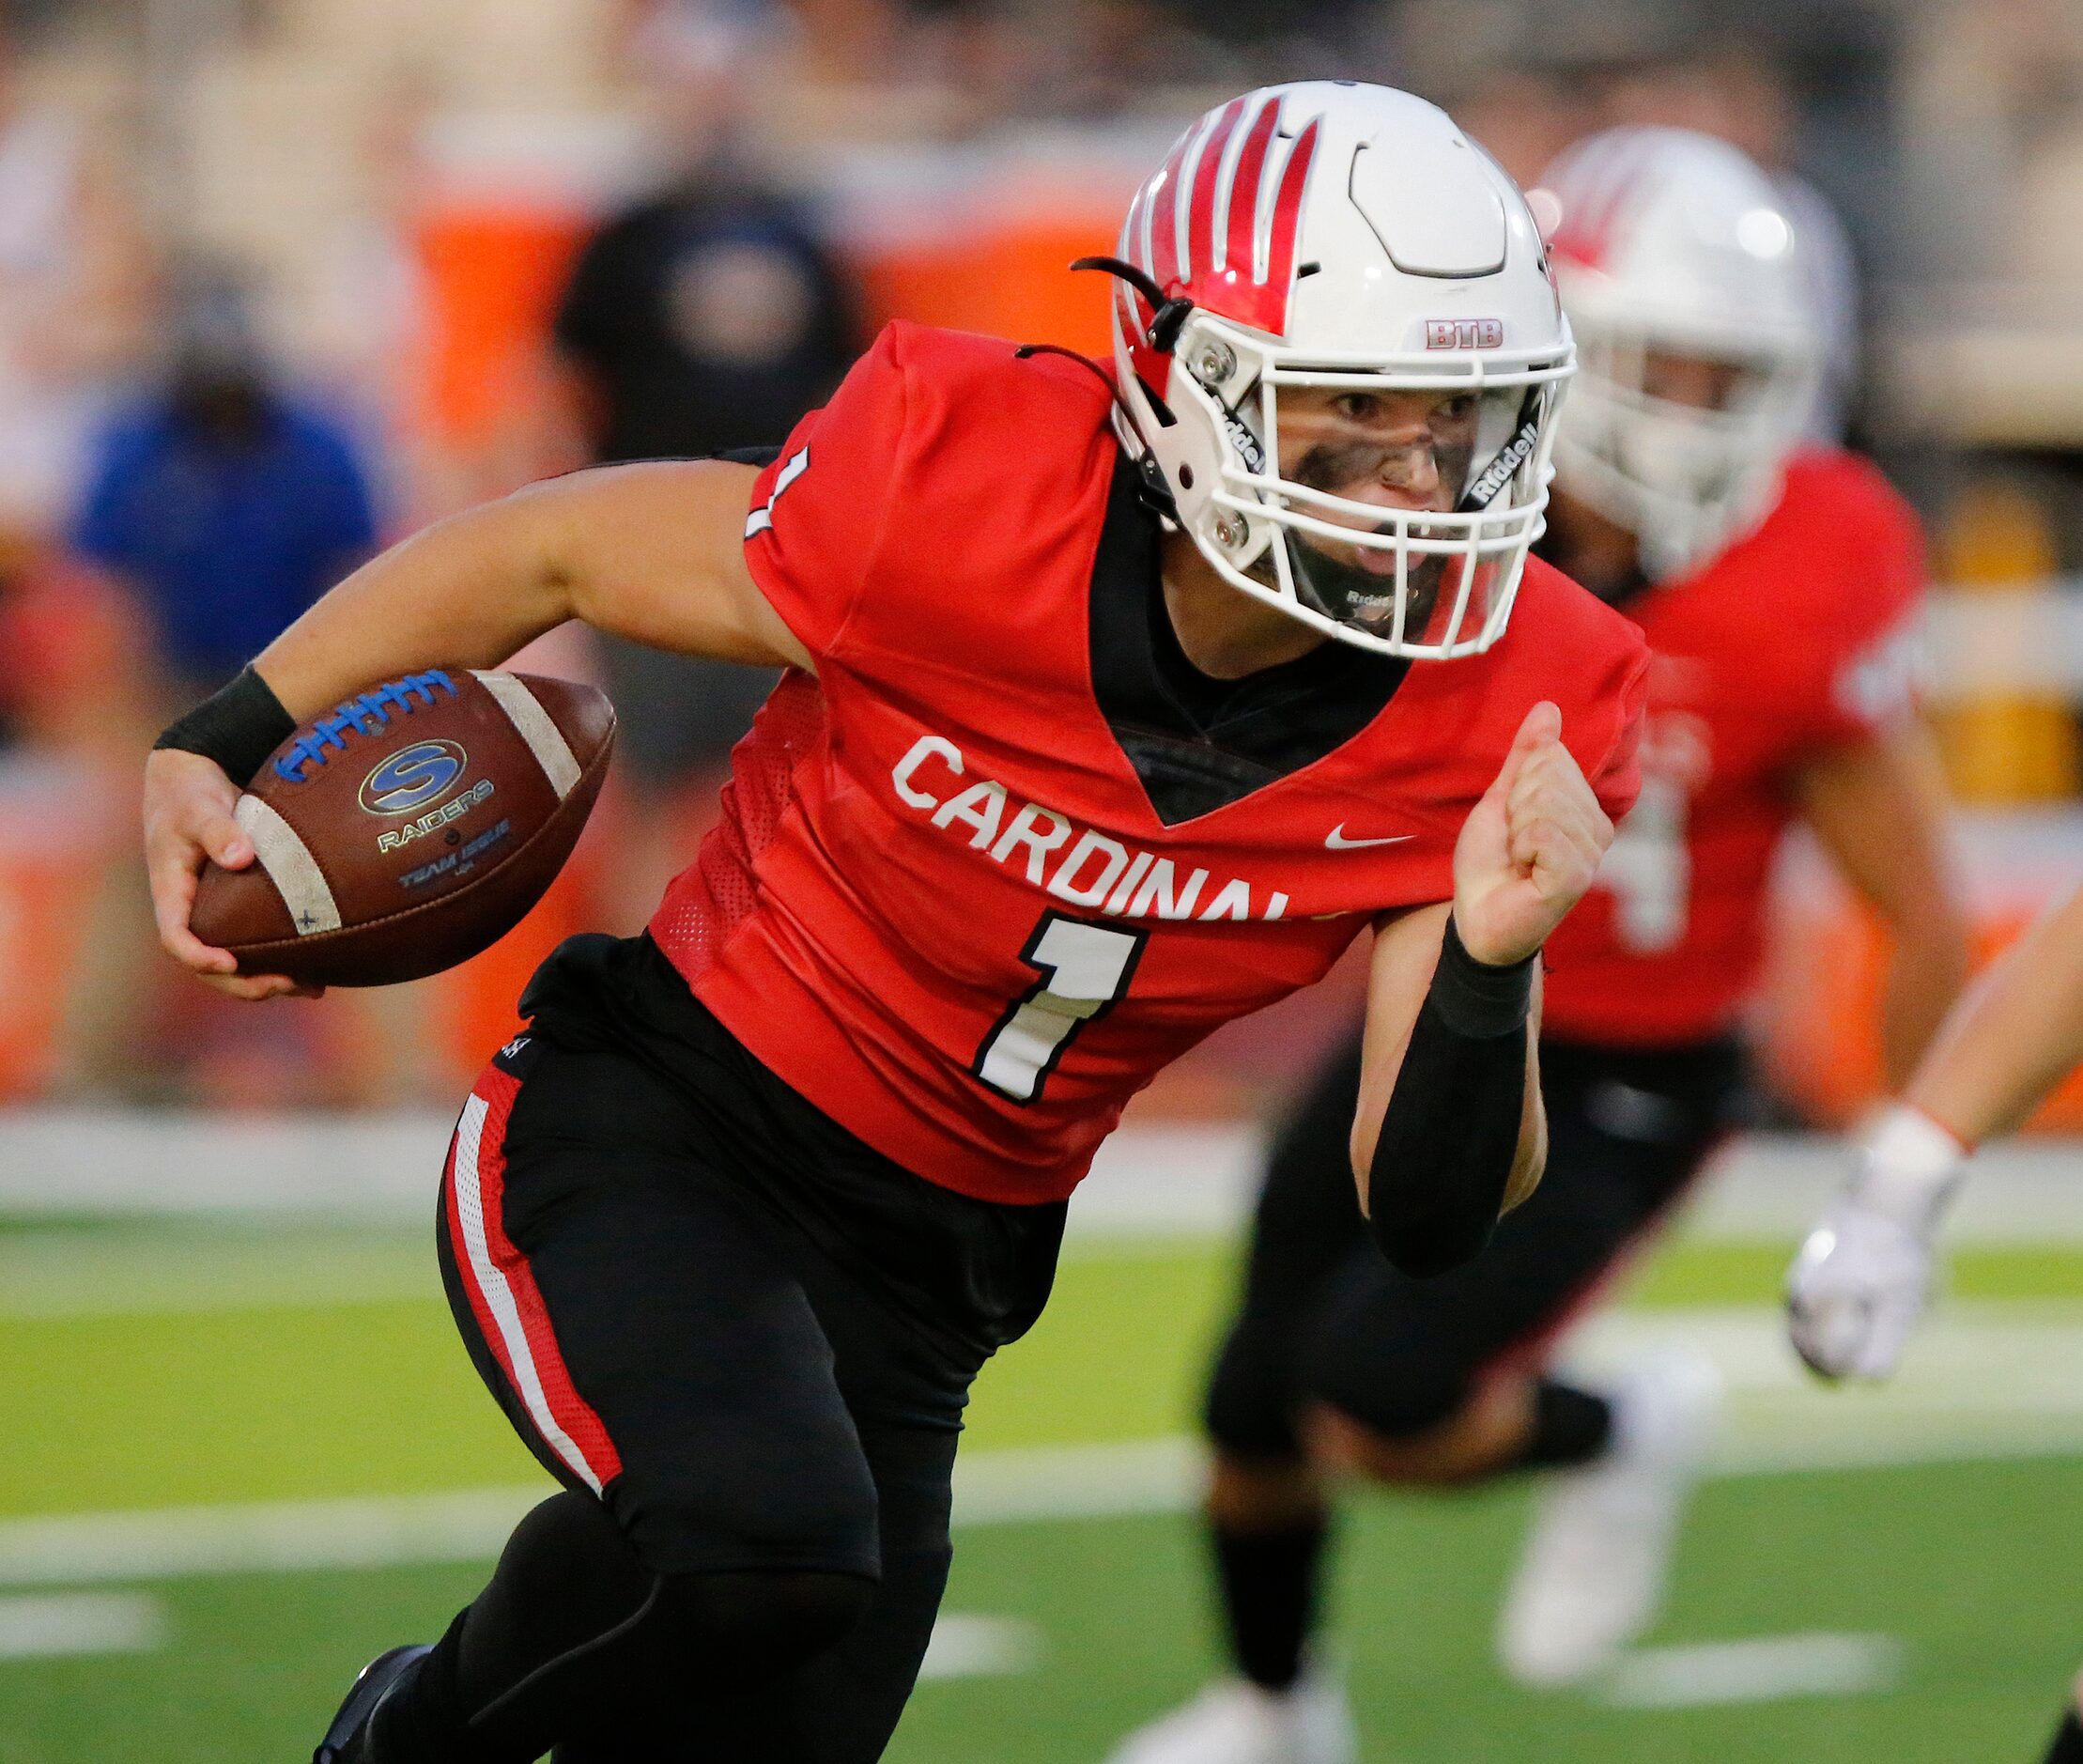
504,1298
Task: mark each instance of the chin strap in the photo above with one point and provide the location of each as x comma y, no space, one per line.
1151,487
1171,311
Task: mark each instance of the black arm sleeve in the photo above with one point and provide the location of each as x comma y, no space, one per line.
237,727
1450,1133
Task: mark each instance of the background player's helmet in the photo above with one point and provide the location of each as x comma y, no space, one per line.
1341,236
1668,241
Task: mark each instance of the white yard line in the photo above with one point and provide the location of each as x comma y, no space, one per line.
470,1525
1986,1382
175,1267
272,1537
173,1294
2003,1359
47,1626
968,1647
150,1161
1762,1669
1050,1482
1047,1485
1151,1181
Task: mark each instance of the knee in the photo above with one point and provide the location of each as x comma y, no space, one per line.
1260,1495
1393,1385
745,1626
568,1555
1476,1439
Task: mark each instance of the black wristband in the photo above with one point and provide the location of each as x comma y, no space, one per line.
1474,998
237,727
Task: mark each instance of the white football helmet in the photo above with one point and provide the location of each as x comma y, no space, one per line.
1669,243
1349,238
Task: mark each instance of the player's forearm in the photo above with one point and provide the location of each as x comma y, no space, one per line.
1924,980
654,552
470,590
1530,1163
2017,1034
1461,1136
1878,807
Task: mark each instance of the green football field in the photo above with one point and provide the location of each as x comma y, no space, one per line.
239,1461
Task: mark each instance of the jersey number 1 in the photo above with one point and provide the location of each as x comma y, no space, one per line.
1084,969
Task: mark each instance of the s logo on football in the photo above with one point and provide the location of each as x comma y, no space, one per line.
413,776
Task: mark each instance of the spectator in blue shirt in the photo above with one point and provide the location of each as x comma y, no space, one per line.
224,501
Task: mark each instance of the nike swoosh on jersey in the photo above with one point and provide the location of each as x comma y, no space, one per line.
1336,840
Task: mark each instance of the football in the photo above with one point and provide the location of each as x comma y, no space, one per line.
411,828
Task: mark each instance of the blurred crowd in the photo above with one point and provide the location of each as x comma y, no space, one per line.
278,284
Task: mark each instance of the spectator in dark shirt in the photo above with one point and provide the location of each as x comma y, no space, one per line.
706,317
225,503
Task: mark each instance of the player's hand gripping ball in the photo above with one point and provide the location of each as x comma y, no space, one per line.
1530,848
395,838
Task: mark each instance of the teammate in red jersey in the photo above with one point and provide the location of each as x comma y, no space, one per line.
1775,583
1118,706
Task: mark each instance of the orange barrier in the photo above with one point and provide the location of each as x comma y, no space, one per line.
1998,540
1820,1042
1012,281
494,273
53,841
1816,1026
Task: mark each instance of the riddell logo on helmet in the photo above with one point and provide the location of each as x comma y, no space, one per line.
1464,333
1246,442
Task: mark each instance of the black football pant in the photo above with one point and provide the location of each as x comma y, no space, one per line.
1325,1320
756,1438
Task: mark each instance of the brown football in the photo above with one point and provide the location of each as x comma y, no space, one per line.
411,828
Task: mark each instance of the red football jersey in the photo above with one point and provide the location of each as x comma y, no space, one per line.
941,903
1795,638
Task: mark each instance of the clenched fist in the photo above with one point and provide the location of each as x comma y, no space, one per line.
1530,848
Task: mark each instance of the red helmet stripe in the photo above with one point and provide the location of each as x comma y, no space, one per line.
1201,260
1594,187
1141,251
1158,225
1239,253
1219,222
1285,230
1180,202
1133,315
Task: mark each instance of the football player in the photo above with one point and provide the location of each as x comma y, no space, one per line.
1864,1275
1775,583
1118,703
